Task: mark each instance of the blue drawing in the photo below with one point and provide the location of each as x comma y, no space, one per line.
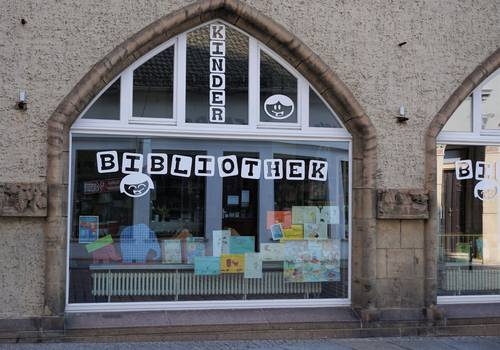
136,241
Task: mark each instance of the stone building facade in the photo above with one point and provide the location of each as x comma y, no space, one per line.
365,59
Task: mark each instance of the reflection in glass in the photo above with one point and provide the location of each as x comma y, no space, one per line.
278,92
198,76
461,119
193,230
490,104
107,105
153,86
469,209
319,114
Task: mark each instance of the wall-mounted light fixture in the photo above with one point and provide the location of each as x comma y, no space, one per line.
402,115
22,102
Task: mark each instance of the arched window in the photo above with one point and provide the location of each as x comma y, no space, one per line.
209,172
468,192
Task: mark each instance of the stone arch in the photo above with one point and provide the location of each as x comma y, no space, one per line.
485,69
282,42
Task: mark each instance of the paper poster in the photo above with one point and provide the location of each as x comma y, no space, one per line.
293,272
311,215
297,215
279,217
312,261
329,214
232,263
220,242
100,243
315,231
241,244
206,265
296,232
88,229
172,251
276,232
194,247
253,265
296,250
272,251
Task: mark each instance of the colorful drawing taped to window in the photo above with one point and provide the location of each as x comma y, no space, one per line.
88,229
220,242
272,251
194,246
206,265
232,263
253,265
296,232
315,231
488,186
241,244
172,251
100,243
279,217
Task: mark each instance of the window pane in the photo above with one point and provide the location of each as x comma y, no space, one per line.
278,92
107,105
461,119
268,223
490,104
319,114
469,209
153,86
217,75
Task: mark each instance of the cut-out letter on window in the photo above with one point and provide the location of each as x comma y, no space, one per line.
204,166
181,165
318,170
295,170
250,168
132,163
157,163
273,169
228,166
107,162
463,169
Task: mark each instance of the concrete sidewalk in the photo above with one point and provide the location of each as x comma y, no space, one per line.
407,343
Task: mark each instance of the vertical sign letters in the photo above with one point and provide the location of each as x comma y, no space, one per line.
217,93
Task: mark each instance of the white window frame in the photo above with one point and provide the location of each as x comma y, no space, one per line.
176,127
476,137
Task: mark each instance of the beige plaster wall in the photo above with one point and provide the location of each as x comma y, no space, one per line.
359,39
21,268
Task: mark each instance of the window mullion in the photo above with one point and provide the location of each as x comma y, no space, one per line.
180,80
126,95
476,112
303,103
253,83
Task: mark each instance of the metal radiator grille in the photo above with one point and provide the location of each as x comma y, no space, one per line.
171,283
471,280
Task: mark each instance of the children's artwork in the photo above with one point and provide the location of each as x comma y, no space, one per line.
253,265
276,232
272,251
329,214
220,242
100,243
194,247
311,215
296,251
297,215
293,271
279,217
232,263
136,243
315,231
172,251
88,227
207,265
312,261
241,244
296,232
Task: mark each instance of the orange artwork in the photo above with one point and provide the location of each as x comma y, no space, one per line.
279,217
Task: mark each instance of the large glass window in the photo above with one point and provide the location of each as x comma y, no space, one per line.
210,183
469,212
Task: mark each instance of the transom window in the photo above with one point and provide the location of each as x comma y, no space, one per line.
210,173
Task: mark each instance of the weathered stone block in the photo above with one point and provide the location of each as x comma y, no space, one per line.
388,292
412,234
402,204
400,263
388,234
412,292
381,263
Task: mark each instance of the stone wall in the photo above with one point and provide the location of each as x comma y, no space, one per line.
61,40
